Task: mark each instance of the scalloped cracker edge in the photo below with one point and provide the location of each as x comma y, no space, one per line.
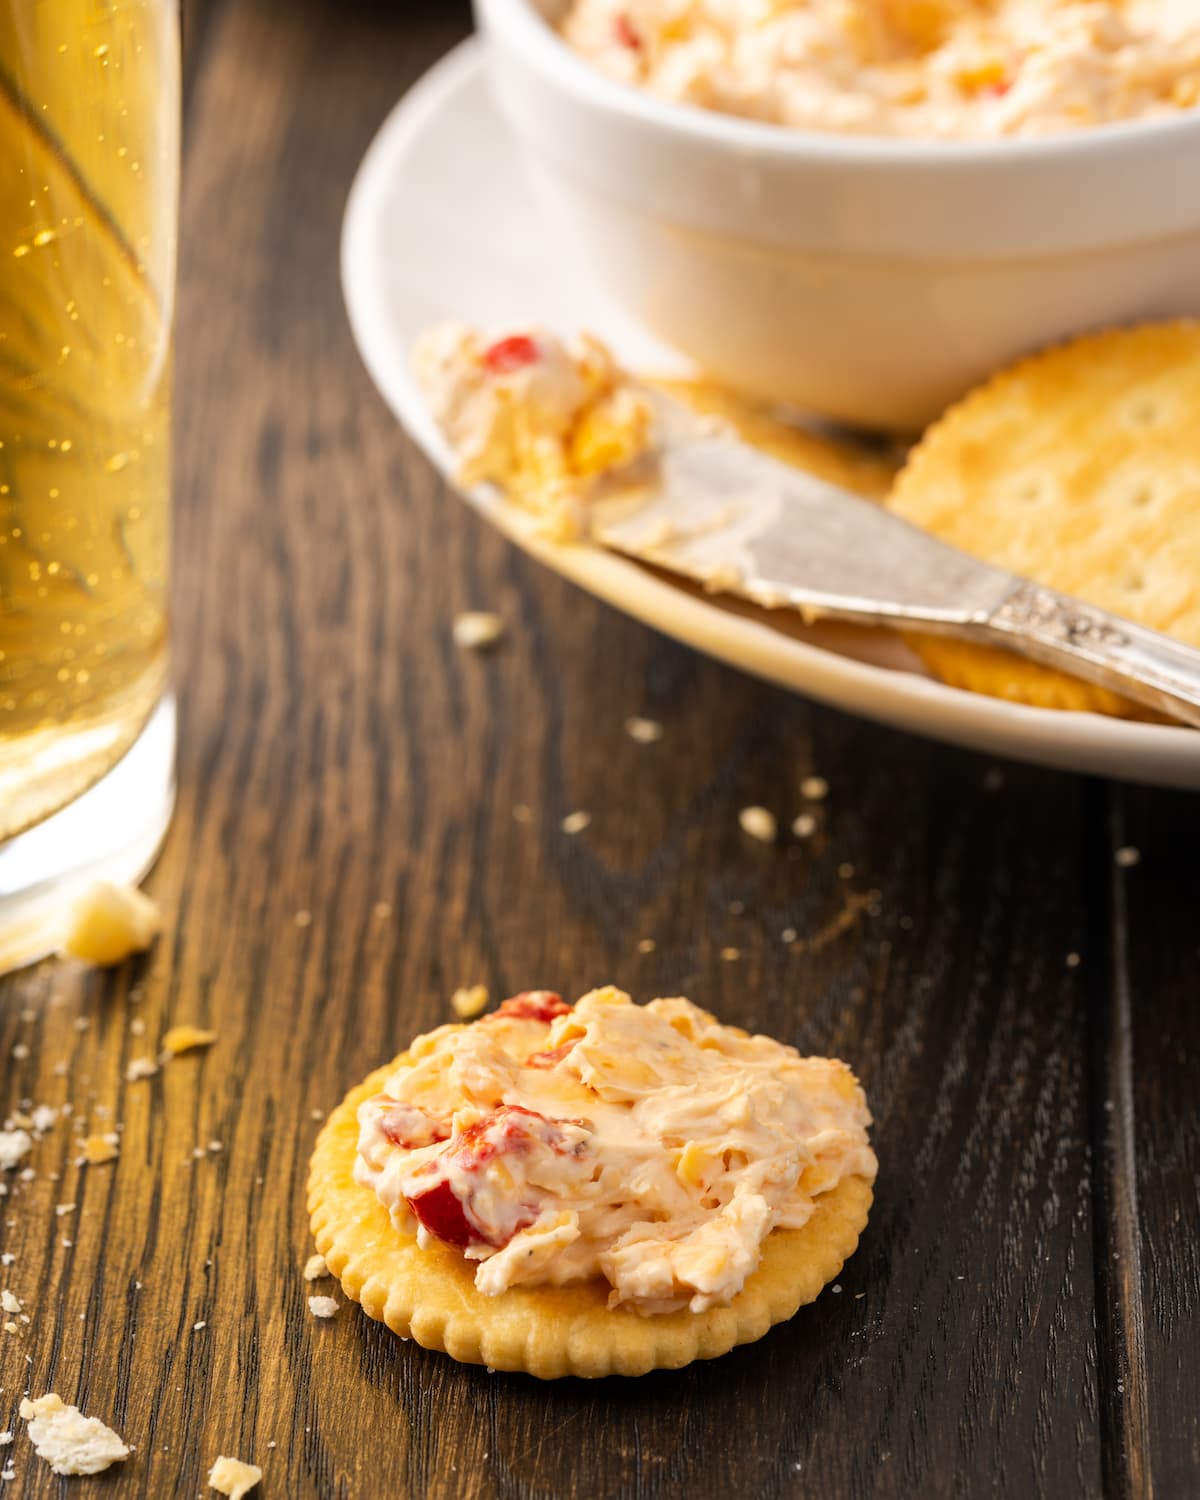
1078,467
430,1295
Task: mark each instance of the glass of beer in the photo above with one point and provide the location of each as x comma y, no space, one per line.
89,173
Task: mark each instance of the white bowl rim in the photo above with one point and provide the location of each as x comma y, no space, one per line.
524,25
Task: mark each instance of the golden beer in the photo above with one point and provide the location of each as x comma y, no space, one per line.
89,154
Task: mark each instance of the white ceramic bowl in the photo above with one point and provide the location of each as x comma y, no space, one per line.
869,280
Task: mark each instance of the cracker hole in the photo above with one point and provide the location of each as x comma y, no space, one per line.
1133,582
1142,496
1143,411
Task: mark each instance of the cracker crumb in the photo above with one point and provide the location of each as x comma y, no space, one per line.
137,1027
846,871
322,1307
98,1149
576,822
1127,856
804,826
303,918
476,629
196,1327
469,1001
44,1117
20,1052
788,935
315,1267
7,1258
232,1477
1073,960
522,813
13,1146
140,1067
382,910
8,1302
109,922
814,788
70,1442
62,1209
5,1439
646,945
187,1039
644,731
317,1114
731,955
10,1326
759,823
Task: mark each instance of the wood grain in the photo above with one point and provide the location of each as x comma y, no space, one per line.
345,854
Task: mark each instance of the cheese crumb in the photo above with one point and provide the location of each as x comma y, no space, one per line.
13,1146
322,1307
109,922
140,1067
759,824
315,1268
70,1442
469,1002
98,1149
230,1476
477,628
576,822
187,1039
644,731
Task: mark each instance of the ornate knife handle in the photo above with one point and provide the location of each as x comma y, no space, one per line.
1141,664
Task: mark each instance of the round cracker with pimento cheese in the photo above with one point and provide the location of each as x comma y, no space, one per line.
600,1189
1079,468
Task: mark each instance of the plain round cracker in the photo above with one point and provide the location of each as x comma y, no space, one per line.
430,1295
1079,468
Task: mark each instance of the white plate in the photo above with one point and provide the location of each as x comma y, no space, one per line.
441,223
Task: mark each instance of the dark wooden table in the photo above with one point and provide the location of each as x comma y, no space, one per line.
1022,1315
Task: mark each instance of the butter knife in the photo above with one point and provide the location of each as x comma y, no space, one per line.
735,520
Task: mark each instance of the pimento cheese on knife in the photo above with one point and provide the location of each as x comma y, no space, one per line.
647,1145
539,417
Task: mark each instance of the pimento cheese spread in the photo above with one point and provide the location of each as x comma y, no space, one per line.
648,1145
925,68
537,417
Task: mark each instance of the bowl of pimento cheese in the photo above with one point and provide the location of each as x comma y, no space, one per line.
863,206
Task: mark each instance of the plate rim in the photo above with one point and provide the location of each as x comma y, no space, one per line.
1085,743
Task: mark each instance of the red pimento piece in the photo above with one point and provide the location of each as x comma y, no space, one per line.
534,1005
624,31
553,1055
442,1214
510,354
511,1127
